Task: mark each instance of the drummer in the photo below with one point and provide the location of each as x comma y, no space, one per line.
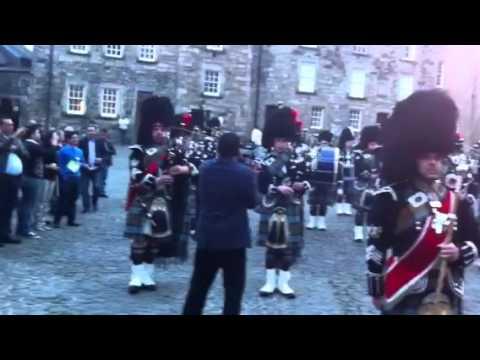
325,159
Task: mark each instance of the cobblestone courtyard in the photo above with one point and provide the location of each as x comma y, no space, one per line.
86,270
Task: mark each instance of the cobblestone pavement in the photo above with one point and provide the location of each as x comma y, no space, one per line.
86,270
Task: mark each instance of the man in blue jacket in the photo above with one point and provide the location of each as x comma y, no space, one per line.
227,189
70,159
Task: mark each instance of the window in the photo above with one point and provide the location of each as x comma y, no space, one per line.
355,119
115,51
109,103
317,117
211,83
80,49
440,76
357,84
76,96
409,52
360,49
307,78
215,47
147,53
405,87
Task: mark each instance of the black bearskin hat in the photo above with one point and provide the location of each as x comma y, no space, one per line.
369,134
424,122
326,136
280,124
345,136
154,110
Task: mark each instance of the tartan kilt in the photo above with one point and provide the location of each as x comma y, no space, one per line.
295,217
322,194
170,247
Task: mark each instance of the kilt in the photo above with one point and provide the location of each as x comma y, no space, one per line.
174,246
295,218
322,194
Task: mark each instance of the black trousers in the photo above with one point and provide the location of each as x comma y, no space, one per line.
90,177
9,187
207,264
67,202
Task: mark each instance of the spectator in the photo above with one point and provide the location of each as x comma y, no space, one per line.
70,160
123,124
226,190
11,169
51,145
90,174
31,184
110,152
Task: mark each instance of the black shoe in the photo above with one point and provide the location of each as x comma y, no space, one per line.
265,294
288,296
11,240
103,196
132,290
56,225
85,211
74,224
149,287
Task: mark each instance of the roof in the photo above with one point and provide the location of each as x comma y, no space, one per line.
15,58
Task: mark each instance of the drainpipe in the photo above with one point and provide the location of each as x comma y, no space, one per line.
257,90
49,85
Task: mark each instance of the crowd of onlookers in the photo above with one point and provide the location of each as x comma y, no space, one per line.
43,173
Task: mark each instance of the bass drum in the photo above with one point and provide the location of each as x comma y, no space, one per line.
325,166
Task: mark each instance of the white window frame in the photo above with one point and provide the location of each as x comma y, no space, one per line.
205,88
360,118
307,78
142,58
81,51
440,75
106,52
358,84
360,49
402,94
83,99
410,52
217,48
317,122
103,113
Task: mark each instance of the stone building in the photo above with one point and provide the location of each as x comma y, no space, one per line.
102,83
15,81
332,86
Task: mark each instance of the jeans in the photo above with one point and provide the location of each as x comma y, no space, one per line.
207,264
87,178
69,190
46,198
9,187
31,191
103,179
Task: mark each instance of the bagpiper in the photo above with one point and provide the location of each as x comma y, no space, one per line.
282,184
423,233
323,178
367,164
157,195
346,180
